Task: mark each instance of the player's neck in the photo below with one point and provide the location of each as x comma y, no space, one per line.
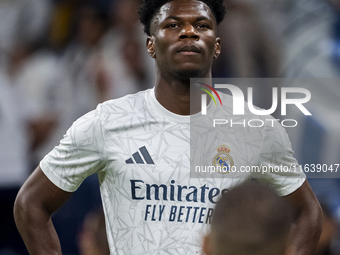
174,95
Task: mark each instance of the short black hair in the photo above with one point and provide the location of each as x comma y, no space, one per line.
149,8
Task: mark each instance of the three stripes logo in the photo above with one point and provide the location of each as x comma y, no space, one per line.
204,96
137,157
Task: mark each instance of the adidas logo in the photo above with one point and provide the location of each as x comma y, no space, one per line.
138,158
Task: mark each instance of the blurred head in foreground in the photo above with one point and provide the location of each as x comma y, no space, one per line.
251,219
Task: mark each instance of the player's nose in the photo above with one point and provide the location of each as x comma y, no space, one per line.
189,31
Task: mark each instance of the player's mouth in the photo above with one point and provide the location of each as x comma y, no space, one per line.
189,50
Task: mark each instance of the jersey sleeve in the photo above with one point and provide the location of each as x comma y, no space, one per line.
79,154
277,165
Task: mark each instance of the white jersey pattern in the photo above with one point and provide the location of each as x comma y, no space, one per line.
141,154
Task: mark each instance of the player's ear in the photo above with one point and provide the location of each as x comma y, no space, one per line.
150,45
217,48
207,245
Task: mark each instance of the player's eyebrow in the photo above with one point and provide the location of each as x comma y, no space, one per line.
200,18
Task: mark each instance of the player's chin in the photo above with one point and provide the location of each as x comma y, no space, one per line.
187,73
190,70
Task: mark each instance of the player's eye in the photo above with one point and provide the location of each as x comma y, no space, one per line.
202,26
172,25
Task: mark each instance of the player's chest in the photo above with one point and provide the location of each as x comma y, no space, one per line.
149,147
166,151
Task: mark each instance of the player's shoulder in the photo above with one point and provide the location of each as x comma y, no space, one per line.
227,101
127,104
114,109
108,115
242,109
264,123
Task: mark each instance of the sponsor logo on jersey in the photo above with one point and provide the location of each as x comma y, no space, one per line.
179,203
223,160
141,190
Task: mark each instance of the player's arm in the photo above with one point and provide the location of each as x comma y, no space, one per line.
308,222
36,201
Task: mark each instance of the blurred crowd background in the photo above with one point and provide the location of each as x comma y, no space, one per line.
60,58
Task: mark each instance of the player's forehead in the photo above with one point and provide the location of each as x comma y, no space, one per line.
179,6
183,9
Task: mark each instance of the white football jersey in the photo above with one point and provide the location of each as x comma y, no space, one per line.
141,153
